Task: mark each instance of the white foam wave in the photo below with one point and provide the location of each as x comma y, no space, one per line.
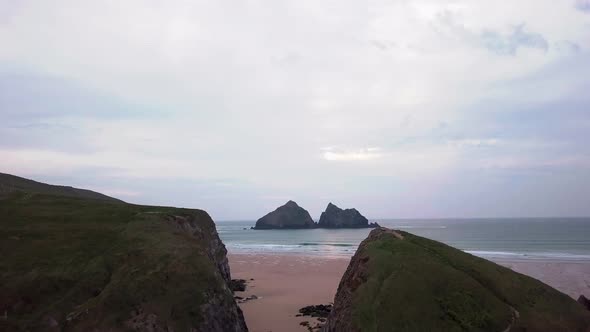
560,256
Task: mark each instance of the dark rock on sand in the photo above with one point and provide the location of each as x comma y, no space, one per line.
311,328
397,281
237,285
320,310
584,301
335,217
288,216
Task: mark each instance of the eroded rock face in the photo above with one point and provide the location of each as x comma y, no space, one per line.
220,313
288,216
584,301
335,217
397,281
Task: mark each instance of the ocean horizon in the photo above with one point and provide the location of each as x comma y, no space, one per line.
516,239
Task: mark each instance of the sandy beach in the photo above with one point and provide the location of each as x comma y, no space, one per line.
286,283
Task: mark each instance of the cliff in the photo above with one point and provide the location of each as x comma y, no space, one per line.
397,281
335,217
288,216
93,264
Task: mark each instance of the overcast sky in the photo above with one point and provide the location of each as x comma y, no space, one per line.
398,108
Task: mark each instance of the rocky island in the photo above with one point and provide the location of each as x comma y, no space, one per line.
288,216
76,260
397,281
292,216
335,217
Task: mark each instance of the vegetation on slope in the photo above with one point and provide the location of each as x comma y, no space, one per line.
10,184
79,264
401,282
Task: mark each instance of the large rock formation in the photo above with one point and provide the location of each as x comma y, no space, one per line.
397,281
335,217
288,216
75,261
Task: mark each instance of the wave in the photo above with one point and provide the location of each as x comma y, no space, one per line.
346,249
530,255
326,244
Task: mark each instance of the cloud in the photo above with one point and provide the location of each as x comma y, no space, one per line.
364,154
152,97
567,46
486,142
510,43
565,163
583,5
493,39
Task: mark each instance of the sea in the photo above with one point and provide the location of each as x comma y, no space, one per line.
515,239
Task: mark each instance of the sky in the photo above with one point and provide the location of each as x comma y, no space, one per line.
402,109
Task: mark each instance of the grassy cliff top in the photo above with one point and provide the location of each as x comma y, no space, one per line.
401,282
76,262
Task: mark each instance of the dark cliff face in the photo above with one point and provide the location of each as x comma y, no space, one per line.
288,216
584,302
335,217
397,281
83,264
220,312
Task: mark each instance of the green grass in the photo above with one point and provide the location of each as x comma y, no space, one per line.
416,284
95,261
11,183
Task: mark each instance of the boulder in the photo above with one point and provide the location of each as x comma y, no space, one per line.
320,310
237,285
288,216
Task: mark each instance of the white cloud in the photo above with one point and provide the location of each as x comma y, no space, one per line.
474,142
516,162
365,154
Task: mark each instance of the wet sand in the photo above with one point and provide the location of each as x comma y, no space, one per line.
286,283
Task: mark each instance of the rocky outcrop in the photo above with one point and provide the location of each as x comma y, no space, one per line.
288,216
335,217
397,281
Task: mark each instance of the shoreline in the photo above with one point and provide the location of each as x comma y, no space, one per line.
496,259
286,282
